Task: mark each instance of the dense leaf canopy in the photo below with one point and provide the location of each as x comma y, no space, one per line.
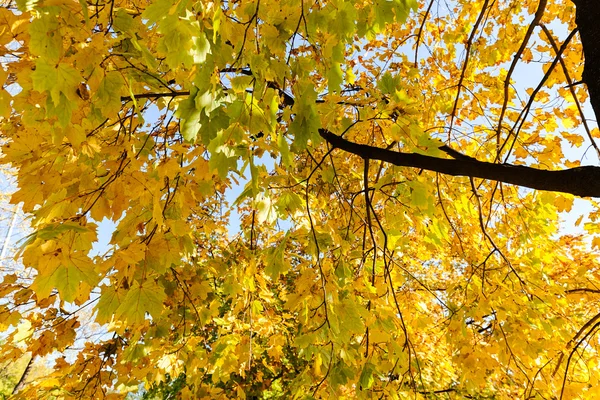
399,167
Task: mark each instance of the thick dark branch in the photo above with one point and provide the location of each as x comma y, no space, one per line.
580,181
450,390
151,95
582,290
587,17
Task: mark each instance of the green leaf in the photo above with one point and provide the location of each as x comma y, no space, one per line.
284,150
344,23
63,111
55,230
27,5
141,299
177,42
340,374
146,54
266,209
206,102
57,79
189,116
122,21
275,263
200,48
156,11
418,194
107,97
306,122
289,202
402,9
222,153
65,273
366,379
46,39
84,9
201,111
109,302
388,84
335,77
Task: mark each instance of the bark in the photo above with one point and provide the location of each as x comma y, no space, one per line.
587,18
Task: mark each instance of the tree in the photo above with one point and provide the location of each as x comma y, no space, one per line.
384,247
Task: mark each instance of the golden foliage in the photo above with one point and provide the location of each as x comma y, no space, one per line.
348,278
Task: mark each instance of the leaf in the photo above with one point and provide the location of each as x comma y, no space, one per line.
189,116
65,273
335,77
284,149
200,48
140,299
419,195
63,110
106,98
61,81
305,123
275,261
367,379
109,302
156,11
266,209
57,230
388,84
122,21
223,157
46,39
5,100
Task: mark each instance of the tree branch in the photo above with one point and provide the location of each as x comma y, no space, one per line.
586,17
152,95
582,290
580,181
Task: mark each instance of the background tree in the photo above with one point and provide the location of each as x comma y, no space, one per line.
372,260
